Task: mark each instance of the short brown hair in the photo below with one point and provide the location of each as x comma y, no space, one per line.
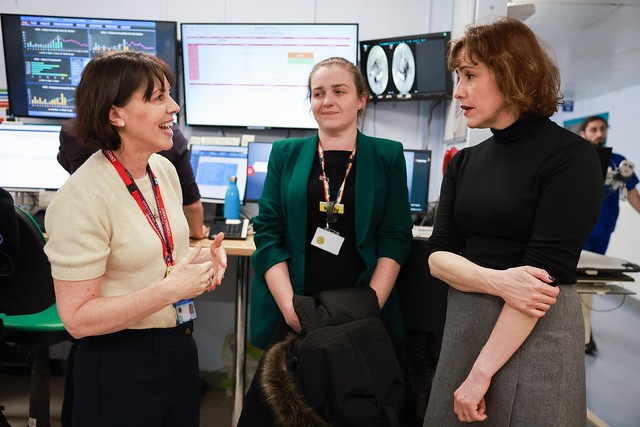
525,73
358,80
109,80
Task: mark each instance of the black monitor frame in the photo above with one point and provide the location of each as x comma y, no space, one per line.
43,67
418,180
255,75
407,68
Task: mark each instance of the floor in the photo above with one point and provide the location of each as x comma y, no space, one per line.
613,375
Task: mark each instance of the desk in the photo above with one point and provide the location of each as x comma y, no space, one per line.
243,249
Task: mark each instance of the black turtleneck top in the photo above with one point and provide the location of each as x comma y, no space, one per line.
529,195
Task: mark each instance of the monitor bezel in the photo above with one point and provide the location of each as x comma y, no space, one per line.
256,126
15,70
426,202
447,93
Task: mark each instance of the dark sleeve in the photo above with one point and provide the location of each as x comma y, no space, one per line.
446,236
72,152
270,224
394,233
179,155
567,210
8,233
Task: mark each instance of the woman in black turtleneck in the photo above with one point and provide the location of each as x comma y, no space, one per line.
513,216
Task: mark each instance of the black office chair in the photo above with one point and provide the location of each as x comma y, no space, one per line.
29,313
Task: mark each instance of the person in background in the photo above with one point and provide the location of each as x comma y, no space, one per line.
73,153
366,179
594,130
507,239
124,274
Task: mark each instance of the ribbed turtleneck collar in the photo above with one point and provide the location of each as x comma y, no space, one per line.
520,129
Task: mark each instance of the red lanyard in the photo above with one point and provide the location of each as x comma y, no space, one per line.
166,238
325,181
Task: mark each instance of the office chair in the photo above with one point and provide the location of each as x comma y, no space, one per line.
29,313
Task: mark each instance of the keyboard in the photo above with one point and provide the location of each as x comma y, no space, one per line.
234,229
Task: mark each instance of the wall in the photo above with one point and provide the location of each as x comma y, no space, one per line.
406,122
623,138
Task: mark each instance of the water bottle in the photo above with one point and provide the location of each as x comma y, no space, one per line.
232,200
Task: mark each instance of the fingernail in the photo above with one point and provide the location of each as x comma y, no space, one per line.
553,279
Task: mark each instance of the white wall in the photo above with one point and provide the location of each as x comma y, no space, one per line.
624,138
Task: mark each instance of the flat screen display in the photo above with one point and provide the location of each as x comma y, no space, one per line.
213,165
407,68
255,75
418,169
257,169
45,56
28,158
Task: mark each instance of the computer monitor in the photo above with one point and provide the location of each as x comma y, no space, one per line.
257,169
45,56
407,68
213,165
418,169
256,75
28,158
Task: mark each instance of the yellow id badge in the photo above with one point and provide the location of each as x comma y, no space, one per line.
338,208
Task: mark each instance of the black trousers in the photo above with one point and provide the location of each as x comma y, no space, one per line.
147,377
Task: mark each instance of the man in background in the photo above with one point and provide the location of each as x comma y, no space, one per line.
594,130
73,153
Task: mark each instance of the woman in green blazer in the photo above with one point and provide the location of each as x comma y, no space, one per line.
303,245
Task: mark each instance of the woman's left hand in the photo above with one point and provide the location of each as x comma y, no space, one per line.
468,400
219,259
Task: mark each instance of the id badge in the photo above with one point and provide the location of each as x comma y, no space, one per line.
185,311
327,240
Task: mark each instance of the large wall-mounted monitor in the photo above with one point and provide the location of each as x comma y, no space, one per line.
407,68
213,165
418,169
28,158
45,56
255,75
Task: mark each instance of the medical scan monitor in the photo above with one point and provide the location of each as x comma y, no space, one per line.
45,56
407,68
256,75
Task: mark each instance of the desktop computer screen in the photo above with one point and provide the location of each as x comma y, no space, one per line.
257,169
418,168
213,165
28,158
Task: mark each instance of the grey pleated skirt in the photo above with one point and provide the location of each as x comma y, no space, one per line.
543,384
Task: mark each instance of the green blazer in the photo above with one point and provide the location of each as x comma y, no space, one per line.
383,221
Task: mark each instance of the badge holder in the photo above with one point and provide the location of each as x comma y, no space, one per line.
325,238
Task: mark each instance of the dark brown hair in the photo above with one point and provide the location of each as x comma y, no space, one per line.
585,122
358,80
110,80
525,73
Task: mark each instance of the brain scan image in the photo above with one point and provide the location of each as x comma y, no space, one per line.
377,70
403,68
